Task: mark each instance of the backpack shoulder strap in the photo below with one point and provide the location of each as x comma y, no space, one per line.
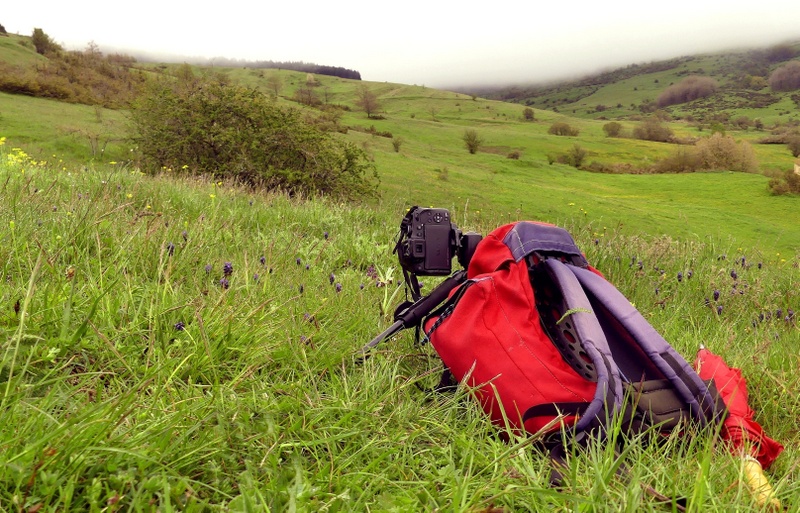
640,351
565,313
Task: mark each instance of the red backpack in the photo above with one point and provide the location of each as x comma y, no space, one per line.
540,335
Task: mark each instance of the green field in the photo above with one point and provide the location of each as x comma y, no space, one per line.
134,379
179,344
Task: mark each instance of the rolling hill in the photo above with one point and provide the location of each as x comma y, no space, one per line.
415,141
631,91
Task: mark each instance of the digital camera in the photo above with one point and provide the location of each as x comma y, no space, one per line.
429,240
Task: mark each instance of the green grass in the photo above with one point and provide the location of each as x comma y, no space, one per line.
19,51
623,90
259,402
433,166
51,130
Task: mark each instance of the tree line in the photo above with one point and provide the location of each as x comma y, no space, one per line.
306,67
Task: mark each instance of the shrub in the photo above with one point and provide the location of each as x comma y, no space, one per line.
742,122
205,125
789,183
652,129
43,43
612,129
684,160
786,78
472,140
688,89
562,128
723,152
576,155
793,143
780,52
715,152
527,114
514,155
396,143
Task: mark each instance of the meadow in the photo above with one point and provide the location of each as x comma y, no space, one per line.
179,344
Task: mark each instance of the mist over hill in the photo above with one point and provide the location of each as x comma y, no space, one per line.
742,81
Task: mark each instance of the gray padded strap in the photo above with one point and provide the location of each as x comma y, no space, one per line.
580,339
633,340
526,238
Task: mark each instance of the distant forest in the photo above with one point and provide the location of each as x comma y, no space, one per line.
307,67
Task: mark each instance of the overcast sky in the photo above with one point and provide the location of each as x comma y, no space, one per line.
431,42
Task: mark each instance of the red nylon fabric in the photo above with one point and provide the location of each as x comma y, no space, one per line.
739,429
494,339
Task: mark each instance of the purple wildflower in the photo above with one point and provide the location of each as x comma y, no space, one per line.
689,273
733,274
361,286
759,265
170,249
180,326
332,278
301,288
263,260
716,295
680,276
338,287
208,268
227,269
185,235
298,261
224,283
325,234
719,309
255,277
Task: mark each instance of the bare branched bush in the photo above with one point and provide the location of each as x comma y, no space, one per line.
789,183
472,140
562,128
688,89
723,152
718,152
793,143
527,114
612,129
652,129
786,78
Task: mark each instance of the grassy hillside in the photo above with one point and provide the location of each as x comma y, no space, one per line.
623,93
181,344
432,165
185,345
18,50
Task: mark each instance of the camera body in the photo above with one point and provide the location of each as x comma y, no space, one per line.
429,240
